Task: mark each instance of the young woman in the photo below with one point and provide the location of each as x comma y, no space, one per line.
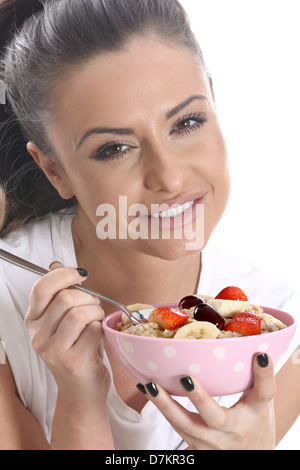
111,101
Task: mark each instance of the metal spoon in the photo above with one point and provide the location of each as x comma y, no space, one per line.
22,263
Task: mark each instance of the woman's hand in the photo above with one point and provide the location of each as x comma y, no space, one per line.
248,425
65,330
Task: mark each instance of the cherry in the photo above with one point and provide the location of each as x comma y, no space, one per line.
190,301
205,312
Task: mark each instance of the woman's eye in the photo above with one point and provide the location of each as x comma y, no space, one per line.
116,149
112,151
189,124
186,124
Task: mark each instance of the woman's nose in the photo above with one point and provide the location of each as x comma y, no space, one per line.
164,171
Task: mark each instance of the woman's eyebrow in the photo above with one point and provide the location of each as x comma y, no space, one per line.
127,131
103,130
185,103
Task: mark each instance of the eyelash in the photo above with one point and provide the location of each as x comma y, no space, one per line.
102,154
199,118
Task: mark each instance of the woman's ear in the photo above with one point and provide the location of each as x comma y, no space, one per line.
52,170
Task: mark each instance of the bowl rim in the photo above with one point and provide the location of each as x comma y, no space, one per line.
106,327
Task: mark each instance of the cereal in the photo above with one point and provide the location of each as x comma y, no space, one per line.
234,314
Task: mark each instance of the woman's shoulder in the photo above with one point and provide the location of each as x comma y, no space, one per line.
39,240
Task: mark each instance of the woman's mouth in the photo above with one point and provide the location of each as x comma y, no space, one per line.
173,211
178,219
176,215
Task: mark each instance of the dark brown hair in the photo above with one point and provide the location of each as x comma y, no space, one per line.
38,40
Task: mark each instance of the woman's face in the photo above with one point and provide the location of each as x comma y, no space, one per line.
139,126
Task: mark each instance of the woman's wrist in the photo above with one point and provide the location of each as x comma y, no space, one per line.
80,425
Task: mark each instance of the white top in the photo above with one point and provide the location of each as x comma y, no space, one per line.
50,239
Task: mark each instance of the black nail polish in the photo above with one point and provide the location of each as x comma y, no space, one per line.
263,360
187,383
141,388
82,272
152,389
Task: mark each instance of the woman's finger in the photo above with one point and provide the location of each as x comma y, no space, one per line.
55,265
187,423
264,387
212,414
63,302
48,286
179,418
75,322
90,339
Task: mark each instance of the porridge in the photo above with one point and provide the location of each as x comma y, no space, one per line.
227,315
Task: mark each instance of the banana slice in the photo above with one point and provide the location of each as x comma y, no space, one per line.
205,297
229,308
198,330
135,307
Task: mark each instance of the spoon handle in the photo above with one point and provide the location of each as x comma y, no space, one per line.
33,268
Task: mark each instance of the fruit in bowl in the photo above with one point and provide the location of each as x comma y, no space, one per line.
215,341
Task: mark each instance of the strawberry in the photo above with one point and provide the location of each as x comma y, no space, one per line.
246,324
232,293
169,318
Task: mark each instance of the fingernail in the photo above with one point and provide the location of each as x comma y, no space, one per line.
187,383
82,272
263,360
152,389
141,388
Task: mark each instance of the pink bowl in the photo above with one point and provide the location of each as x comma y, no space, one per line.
223,366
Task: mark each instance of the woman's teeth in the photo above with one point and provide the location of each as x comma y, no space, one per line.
174,211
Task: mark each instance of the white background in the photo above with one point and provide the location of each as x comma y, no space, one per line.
252,49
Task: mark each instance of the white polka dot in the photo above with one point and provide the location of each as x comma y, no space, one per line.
169,351
195,368
122,359
128,346
152,366
263,347
239,366
219,352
